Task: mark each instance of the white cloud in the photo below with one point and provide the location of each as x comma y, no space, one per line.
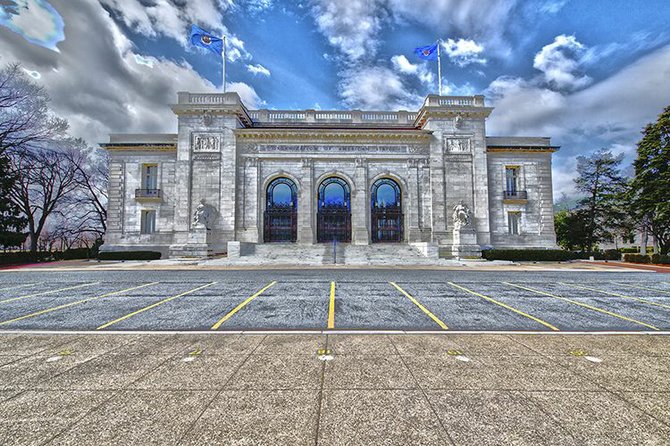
247,93
464,51
553,6
351,26
258,69
377,88
37,21
401,64
560,63
101,85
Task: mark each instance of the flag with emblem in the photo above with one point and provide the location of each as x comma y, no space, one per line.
429,52
204,39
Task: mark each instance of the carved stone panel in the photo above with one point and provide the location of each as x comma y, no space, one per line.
205,142
452,144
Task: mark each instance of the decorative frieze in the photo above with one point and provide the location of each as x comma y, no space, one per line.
205,142
462,145
343,149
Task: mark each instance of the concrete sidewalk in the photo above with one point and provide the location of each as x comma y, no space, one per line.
195,389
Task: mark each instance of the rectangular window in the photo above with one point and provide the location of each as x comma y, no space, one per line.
150,177
148,222
513,222
511,181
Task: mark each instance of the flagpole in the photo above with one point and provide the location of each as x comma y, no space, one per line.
223,60
439,68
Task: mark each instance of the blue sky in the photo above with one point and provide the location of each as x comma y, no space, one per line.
589,74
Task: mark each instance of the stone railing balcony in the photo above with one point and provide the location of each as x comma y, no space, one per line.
515,195
318,117
454,101
148,194
186,98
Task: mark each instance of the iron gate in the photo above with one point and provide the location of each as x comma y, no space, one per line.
334,223
387,224
281,224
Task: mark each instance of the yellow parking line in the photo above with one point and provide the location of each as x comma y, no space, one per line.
18,286
331,306
71,304
424,309
242,305
48,292
643,287
490,299
154,305
616,294
581,304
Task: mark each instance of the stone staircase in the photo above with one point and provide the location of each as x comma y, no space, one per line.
322,254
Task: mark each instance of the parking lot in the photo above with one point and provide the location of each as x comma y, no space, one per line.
403,300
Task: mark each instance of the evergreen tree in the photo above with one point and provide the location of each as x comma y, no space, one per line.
649,193
11,220
600,179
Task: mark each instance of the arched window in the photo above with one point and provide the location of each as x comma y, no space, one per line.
334,210
386,211
281,211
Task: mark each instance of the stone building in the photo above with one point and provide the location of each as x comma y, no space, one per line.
231,177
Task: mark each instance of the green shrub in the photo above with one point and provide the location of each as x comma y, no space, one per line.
76,253
631,250
129,255
539,255
637,258
660,259
22,257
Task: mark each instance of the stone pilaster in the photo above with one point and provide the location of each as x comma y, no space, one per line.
413,203
306,201
360,205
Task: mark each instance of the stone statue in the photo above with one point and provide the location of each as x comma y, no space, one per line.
461,215
203,215
458,122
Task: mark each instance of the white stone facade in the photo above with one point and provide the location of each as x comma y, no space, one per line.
227,155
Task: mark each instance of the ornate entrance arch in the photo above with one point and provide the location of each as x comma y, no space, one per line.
334,211
281,211
386,211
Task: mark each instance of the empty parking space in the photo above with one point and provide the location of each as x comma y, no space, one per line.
334,300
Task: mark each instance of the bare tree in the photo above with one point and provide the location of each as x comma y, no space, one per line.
25,119
44,179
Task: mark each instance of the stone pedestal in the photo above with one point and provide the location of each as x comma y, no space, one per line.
196,246
465,243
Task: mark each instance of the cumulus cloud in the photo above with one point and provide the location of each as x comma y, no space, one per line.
560,63
247,93
377,88
100,84
258,69
464,51
35,20
351,26
404,66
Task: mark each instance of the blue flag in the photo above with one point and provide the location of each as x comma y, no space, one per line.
204,39
427,52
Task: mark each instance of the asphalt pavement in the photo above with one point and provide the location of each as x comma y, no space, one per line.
334,300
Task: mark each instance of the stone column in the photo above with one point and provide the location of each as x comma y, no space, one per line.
413,202
306,194
360,205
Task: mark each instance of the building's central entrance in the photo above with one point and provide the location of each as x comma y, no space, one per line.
281,212
386,212
334,211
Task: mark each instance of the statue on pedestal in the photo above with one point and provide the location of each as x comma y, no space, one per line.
203,215
461,216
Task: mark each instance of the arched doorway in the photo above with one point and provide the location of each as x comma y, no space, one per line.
386,211
281,211
334,211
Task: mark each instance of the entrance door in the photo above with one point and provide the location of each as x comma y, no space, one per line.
334,211
281,212
386,212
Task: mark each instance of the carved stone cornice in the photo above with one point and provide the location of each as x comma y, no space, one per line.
316,136
462,112
523,149
140,147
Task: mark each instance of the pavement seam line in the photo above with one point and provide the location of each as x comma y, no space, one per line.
242,305
71,304
504,305
154,305
320,398
48,292
642,287
421,389
581,304
217,394
331,307
616,295
418,304
19,286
